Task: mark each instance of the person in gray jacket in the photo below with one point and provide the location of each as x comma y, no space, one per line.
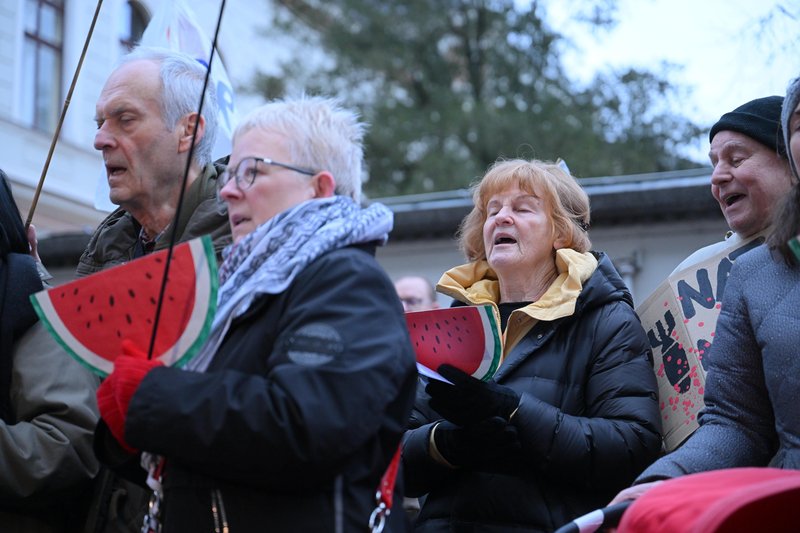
751,416
47,405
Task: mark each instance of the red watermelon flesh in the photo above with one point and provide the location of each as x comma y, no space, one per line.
465,337
91,316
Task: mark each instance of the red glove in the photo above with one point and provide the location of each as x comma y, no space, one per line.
115,392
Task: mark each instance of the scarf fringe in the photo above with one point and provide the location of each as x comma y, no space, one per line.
267,260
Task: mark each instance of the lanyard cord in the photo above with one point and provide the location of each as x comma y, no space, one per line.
385,495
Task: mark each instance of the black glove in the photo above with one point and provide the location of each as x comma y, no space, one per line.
469,400
476,446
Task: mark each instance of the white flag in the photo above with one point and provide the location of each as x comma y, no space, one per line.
174,26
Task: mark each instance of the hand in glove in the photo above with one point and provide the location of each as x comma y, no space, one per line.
476,446
469,400
115,392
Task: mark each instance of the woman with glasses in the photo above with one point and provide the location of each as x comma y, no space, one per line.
292,412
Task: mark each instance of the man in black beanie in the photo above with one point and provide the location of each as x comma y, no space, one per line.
751,173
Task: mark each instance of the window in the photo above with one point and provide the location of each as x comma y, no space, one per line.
132,25
42,57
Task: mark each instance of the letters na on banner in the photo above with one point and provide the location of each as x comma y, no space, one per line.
680,318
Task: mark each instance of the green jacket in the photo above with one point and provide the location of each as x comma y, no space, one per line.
114,241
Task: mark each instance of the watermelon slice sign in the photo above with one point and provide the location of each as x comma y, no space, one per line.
465,337
90,317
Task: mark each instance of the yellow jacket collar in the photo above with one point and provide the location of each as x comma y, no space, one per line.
476,283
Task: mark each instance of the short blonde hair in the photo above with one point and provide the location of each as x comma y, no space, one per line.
566,202
321,135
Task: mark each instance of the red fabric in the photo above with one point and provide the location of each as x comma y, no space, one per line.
722,501
115,392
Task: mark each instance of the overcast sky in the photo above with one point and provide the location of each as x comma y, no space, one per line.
727,59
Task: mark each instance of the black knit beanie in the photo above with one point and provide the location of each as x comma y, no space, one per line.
759,119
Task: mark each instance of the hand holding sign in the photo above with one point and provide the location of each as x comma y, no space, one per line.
468,400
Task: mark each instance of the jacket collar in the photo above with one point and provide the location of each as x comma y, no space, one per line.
476,284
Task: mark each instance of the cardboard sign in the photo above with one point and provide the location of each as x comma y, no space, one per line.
680,319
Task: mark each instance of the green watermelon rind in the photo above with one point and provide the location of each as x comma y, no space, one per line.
213,286
101,365
40,311
492,344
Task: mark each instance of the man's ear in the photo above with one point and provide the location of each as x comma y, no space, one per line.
186,127
324,184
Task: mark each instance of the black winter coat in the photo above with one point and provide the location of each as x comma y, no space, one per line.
588,423
299,414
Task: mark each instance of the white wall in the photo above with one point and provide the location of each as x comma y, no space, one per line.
67,199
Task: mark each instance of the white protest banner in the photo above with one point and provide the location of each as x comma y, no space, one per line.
174,26
680,318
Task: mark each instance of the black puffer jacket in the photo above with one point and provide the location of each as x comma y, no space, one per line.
588,423
298,416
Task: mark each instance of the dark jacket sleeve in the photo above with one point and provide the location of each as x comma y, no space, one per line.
314,408
619,433
49,448
737,425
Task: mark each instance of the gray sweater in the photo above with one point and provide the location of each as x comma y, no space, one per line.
753,383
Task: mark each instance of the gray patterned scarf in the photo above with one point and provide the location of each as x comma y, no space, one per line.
268,259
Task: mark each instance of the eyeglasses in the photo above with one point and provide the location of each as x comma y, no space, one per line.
248,168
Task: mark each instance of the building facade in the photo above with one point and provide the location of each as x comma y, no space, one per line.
647,224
